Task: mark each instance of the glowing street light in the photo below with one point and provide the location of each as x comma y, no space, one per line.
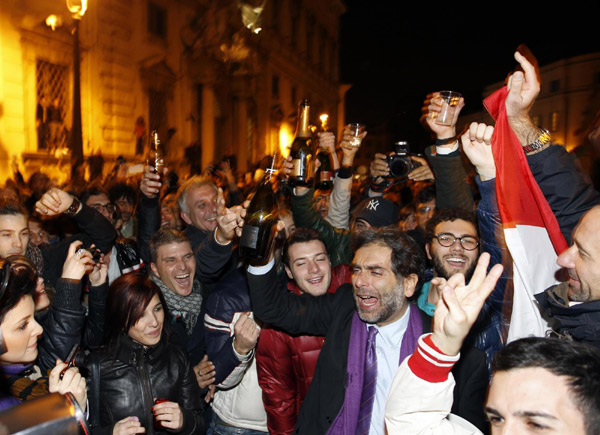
324,118
77,8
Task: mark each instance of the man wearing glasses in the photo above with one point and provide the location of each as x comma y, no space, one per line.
453,247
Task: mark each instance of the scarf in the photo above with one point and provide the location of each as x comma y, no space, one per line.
186,308
346,420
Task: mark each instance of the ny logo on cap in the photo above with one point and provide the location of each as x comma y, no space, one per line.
372,205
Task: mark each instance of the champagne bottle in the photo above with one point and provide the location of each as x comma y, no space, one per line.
260,222
301,149
156,157
324,174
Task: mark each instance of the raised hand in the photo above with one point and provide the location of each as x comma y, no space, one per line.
150,184
71,382
379,168
432,106
78,262
327,141
99,273
523,88
246,333
423,172
54,202
460,305
227,220
349,151
477,146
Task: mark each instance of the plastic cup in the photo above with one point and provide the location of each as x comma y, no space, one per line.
450,101
357,130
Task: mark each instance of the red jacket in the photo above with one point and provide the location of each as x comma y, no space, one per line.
286,365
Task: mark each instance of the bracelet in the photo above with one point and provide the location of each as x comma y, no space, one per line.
543,139
445,141
72,210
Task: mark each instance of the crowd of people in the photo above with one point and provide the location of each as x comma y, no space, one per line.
384,306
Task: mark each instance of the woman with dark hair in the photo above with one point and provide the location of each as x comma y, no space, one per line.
139,382
19,334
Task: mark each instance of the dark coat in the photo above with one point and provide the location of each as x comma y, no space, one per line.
129,383
329,315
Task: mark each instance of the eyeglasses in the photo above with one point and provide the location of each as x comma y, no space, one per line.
100,207
424,210
447,239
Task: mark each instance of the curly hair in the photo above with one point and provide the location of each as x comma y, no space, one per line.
448,215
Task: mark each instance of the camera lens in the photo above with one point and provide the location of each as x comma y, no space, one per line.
400,167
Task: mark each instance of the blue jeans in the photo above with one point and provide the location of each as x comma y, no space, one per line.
218,428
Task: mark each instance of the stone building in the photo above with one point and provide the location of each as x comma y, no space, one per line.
224,76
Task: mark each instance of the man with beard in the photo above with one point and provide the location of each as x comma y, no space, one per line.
572,308
369,328
453,247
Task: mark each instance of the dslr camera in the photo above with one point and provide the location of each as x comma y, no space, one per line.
399,161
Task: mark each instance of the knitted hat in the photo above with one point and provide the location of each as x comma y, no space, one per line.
378,212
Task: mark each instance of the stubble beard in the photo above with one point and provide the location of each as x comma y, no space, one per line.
391,303
440,270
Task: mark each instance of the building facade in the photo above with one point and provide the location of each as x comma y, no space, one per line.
218,78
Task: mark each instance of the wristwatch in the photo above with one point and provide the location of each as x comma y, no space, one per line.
72,210
543,139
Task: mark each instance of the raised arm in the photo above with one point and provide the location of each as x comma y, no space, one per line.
339,203
452,187
567,188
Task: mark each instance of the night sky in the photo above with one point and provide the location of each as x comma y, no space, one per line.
395,53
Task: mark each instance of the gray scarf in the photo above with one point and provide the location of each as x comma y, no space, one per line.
186,308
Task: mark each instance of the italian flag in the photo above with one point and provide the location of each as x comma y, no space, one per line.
531,231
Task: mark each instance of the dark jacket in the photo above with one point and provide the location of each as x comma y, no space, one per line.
286,365
66,324
580,322
129,382
94,228
567,188
329,315
452,188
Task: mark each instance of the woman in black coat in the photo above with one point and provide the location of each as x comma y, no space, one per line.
140,383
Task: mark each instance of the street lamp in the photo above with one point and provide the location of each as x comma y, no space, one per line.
77,9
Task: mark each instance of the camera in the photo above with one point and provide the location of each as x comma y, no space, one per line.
96,253
399,161
75,358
